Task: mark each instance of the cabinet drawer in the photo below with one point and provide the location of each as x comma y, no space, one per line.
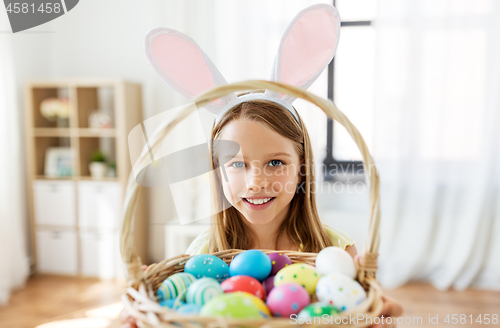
54,202
99,204
100,255
56,252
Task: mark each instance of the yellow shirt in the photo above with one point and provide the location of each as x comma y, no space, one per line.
337,236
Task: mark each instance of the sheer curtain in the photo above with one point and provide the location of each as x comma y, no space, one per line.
14,265
437,142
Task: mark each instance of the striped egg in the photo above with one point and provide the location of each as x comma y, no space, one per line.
203,290
174,286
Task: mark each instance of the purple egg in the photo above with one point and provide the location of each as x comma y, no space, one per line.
278,262
268,284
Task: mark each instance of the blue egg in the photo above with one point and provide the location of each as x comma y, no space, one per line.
189,309
207,265
172,304
253,263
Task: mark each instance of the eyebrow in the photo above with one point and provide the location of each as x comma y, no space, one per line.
268,155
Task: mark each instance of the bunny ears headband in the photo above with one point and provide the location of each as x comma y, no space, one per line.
306,48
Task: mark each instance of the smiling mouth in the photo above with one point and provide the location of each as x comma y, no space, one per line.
258,201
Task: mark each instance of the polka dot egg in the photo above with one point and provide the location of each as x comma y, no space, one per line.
287,299
207,265
174,286
278,262
340,291
243,284
203,290
318,310
302,274
239,305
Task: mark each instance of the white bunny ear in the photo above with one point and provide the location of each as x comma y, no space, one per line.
306,48
182,64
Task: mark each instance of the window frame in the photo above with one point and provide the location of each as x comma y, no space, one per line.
331,165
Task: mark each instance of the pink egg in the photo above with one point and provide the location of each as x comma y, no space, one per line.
268,284
278,262
287,299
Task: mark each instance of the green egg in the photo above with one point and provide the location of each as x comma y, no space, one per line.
318,309
238,305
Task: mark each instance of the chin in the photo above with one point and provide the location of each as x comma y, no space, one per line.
257,219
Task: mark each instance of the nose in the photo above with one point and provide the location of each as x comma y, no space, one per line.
256,180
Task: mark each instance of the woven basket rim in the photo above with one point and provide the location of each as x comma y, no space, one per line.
140,281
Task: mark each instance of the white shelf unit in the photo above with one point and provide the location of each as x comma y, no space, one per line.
75,221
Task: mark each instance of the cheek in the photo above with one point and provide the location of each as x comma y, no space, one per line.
235,187
284,184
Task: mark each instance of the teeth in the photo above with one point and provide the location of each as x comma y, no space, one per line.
258,201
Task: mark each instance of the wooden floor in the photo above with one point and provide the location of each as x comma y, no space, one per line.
66,302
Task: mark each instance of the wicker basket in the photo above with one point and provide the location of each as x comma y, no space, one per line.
139,298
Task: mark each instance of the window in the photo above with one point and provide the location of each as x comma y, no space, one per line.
350,86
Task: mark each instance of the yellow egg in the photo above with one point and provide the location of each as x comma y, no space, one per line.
303,274
260,305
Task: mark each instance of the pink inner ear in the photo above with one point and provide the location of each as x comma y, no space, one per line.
307,47
182,63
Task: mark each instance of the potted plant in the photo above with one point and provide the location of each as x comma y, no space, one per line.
98,166
111,170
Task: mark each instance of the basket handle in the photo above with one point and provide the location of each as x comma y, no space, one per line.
368,258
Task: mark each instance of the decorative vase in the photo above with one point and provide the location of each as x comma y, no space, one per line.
98,170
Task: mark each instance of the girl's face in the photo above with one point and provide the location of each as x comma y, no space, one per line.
263,176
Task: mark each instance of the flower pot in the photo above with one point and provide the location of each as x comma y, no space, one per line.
98,170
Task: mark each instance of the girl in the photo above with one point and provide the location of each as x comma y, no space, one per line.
270,185
266,189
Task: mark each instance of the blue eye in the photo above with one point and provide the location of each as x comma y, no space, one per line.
238,165
276,162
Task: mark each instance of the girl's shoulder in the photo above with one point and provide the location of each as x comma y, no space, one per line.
199,244
338,237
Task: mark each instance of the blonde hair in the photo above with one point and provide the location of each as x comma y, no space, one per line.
302,224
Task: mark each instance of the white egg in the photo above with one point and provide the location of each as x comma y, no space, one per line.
332,260
340,291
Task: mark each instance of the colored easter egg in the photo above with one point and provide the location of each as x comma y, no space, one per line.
318,309
268,284
173,304
340,291
207,265
233,305
189,309
243,284
175,285
278,262
287,299
261,305
335,260
300,273
253,263
203,290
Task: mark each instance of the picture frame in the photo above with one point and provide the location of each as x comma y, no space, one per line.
59,162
